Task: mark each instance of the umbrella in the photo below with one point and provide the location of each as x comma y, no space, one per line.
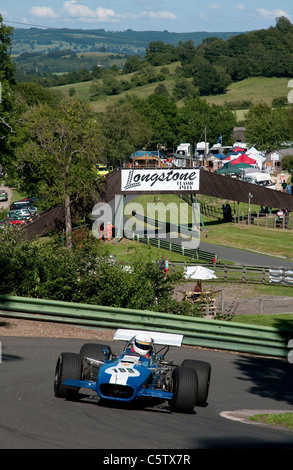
199,272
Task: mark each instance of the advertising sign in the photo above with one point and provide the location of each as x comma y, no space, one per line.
161,179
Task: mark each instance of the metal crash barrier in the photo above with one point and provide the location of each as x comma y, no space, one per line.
201,332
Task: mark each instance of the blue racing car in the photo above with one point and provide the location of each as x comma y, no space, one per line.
138,371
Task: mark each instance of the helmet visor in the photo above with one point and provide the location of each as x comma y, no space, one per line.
144,346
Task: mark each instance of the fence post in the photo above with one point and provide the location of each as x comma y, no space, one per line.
222,302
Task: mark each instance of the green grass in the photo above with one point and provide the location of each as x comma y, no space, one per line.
263,240
267,241
126,250
278,419
254,89
272,320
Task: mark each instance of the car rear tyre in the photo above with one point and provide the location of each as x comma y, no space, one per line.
69,366
203,371
95,351
184,389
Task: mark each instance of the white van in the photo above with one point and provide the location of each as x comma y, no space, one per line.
260,178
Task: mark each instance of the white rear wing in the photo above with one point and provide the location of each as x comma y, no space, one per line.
167,339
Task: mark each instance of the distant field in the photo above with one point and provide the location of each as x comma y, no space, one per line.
254,89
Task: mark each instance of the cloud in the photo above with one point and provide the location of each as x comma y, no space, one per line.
215,7
272,14
240,6
76,9
166,15
43,12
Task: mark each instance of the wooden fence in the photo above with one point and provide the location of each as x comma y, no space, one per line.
239,274
259,219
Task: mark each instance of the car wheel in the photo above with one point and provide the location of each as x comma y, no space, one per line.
69,366
184,389
95,351
203,371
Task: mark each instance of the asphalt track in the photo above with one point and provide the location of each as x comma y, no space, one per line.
33,418
245,258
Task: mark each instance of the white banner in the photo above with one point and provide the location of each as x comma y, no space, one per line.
161,179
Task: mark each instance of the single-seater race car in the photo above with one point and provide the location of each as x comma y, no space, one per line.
137,371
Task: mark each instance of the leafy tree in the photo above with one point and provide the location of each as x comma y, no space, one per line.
287,163
56,152
84,275
111,86
34,94
210,80
161,114
125,131
7,104
7,68
158,53
184,88
267,128
196,115
185,52
131,64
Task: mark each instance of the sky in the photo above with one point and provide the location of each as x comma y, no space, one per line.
147,15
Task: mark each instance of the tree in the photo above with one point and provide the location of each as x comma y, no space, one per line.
56,154
161,114
7,71
131,64
210,80
124,130
267,128
197,115
287,163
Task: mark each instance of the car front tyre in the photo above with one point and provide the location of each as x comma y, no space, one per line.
69,366
203,371
184,390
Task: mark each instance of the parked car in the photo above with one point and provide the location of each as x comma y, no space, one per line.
3,195
20,214
138,371
18,205
16,222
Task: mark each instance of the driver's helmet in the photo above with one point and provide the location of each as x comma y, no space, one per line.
142,344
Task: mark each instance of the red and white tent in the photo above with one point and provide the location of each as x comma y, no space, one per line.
243,159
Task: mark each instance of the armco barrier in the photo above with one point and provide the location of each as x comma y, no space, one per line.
196,331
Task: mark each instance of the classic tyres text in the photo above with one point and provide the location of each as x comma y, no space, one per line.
69,366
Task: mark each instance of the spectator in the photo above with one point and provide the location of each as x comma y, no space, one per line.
162,263
284,186
109,229
167,266
288,188
198,287
280,218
